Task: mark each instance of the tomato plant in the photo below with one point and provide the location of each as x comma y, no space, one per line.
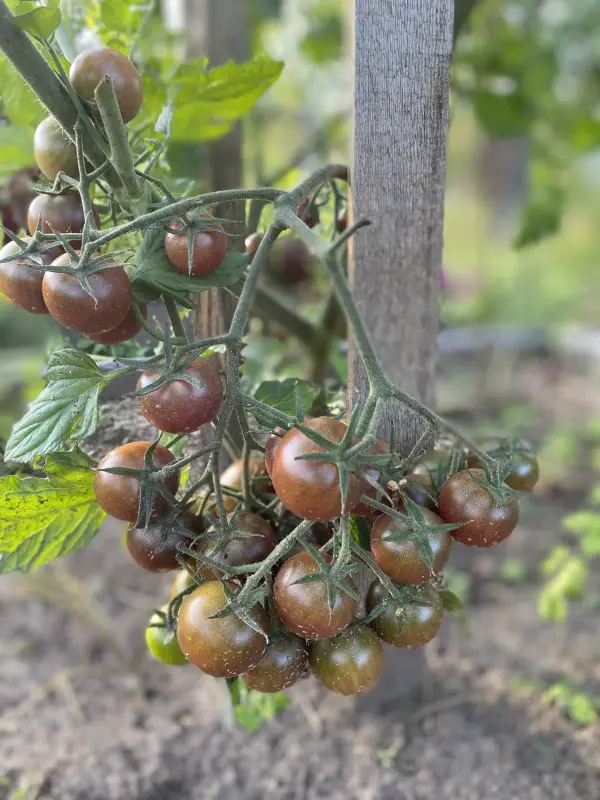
93,66
284,662
197,252
60,213
349,663
127,329
54,151
161,640
413,624
22,282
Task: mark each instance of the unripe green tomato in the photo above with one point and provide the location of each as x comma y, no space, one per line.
162,642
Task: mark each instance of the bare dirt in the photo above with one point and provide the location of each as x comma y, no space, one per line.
86,715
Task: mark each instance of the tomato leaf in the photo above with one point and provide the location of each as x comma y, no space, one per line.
45,518
155,275
65,411
283,395
208,102
38,21
252,708
450,601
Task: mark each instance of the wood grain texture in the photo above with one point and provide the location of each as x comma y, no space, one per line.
402,83
218,29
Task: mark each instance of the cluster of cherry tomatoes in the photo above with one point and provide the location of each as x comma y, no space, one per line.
301,628
105,316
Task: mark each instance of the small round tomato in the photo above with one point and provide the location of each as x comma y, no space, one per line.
162,641
285,661
221,646
125,331
250,549
61,212
371,475
253,243
308,214
92,66
289,261
486,520
341,222
233,477
54,151
525,465
155,548
72,306
304,607
182,581
413,626
271,444
210,248
311,489
21,283
350,663
179,406
402,560
119,495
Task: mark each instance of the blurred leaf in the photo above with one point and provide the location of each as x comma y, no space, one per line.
503,115
581,709
120,15
253,708
513,570
37,20
21,105
282,394
65,411
450,601
45,518
207,103
324,41
569,576
16,148
542,215
155,275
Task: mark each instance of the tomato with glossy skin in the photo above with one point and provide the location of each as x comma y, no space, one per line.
155,548
63,212
232,478
125,331
119,495
525,465
72,306
53,150
162,642
221,646
486,519
289,261
350,663
303,607
311,489
370,475
402,560
178,406
285,662
210,248
91,67
415,626
236,552
253,243
21,283
271,444
182,581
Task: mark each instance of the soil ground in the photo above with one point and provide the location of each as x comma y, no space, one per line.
85,714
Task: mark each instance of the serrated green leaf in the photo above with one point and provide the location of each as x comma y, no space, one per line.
65,412
45,518
283,395
252,708
38,21
207,103
155,275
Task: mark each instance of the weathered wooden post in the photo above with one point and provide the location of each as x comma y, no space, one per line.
402,83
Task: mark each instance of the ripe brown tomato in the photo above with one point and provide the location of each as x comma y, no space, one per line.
253,243
236,552
289,261
525,465
92,66
303,607
210,248
311,489
341,222
119,495
416,625
350,663
402,560
221,646
125,331
271,444
155,548
53,150
232,478
61,212
285,661
486,519
72,306
21,283
370,475
178,406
